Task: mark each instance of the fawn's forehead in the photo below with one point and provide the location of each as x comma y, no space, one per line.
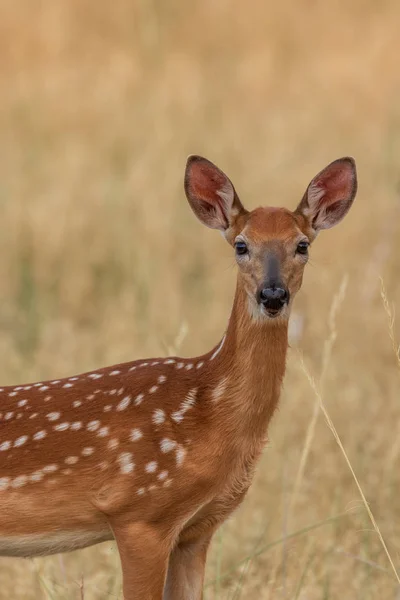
267,224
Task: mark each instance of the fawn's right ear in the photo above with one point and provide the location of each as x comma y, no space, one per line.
211,194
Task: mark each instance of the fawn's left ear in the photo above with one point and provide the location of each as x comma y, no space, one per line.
330,194
211,194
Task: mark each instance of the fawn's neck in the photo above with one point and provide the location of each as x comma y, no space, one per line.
253,357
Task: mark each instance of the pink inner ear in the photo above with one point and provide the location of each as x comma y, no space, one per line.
336,182
205,182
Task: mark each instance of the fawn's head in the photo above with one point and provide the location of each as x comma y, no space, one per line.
270,244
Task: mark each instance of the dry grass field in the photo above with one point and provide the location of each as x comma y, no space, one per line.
102,260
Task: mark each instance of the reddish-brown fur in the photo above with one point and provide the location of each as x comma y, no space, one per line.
186,450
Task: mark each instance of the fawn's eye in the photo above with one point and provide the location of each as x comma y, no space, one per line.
241,247
302,247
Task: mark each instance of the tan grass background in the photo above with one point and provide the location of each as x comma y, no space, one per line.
102,260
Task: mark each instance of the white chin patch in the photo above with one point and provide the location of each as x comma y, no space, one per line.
259,313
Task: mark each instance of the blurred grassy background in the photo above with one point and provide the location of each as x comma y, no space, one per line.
102,260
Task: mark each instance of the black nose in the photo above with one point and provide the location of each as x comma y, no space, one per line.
274,297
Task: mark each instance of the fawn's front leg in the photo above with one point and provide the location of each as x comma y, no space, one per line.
186,570
144,552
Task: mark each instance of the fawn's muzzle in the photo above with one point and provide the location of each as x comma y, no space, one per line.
274,299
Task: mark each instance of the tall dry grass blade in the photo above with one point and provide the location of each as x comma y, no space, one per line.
174,348
390,312
326,356
82,588
362,560
332,427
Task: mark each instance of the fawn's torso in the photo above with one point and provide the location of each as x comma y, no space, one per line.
160,440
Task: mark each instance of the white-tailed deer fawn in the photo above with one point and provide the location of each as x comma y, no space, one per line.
157,453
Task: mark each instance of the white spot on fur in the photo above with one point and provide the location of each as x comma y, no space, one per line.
162,379
199,364
61,427
22,402
177,416
135,435
8,416
76,425
36,476
167,482
103,432
126,463
189,366
151,467
66,471
50,469
55,382
93,425
140,492
167,445
53,416
13,393
132,368
125,402
39,435
4,483
33,415
156,362
19,481
43,388
107,408
219,390
153,389
114,372
27,387
163,475
87,451
71,460
5,446
187,404
95,375
47,398
90,397
158,417
170,361
73,378
68,385
180,456
180,365
20,441
218,350
139,399
113,444
112,392
76,403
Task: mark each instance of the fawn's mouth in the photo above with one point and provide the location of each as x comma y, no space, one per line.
272,313
273,308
